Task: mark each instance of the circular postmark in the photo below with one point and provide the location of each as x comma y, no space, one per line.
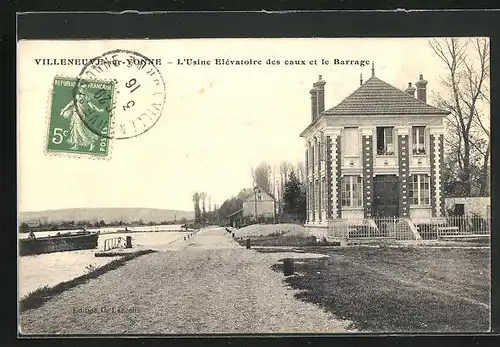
119,94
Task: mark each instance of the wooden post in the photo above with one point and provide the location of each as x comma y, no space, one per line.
248,243
288,267
129,242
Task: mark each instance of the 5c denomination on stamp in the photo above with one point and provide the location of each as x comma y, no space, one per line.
67,129
140,92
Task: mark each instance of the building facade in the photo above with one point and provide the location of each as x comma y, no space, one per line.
378,153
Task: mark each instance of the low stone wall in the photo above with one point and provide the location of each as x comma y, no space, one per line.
472,205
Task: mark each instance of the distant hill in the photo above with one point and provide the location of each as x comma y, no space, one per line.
127,215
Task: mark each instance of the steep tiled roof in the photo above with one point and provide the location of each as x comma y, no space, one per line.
378,97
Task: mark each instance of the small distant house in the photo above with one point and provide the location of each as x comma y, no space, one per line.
259,203
33,224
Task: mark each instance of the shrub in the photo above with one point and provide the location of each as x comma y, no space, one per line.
91,268
478,223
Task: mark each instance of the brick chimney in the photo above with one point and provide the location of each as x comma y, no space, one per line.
421,89
320,95
314,103
410,90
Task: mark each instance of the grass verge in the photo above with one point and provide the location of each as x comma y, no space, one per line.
41,295
399,290
274,240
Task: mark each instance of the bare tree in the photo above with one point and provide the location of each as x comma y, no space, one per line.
262,174
253,175
300,171
203,197
467,62
285,169
196,203
273,181
483,145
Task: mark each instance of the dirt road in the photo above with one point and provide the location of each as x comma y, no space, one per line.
208,284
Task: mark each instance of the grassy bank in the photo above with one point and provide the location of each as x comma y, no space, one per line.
39,296
279,241
399,289
285,240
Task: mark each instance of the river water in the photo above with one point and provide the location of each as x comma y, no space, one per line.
109,230
36,271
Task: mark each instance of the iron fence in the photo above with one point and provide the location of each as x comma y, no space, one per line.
453,227
410,229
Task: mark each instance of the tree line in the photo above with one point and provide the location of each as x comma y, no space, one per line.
204,211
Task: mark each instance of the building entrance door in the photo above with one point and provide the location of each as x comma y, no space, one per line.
386,196
459,209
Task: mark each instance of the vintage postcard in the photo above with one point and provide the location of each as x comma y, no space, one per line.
254,186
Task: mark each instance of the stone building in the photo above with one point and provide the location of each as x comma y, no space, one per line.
378,153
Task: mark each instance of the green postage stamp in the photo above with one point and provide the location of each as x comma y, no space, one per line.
80,117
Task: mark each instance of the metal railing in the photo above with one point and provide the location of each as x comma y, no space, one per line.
387,227
115,242
453,227
410,229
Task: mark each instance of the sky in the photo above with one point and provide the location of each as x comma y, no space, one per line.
217,122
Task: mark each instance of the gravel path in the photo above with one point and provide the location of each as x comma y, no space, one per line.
208,284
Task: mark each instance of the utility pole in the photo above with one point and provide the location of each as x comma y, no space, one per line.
255,190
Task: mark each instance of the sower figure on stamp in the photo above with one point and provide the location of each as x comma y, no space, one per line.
79,134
